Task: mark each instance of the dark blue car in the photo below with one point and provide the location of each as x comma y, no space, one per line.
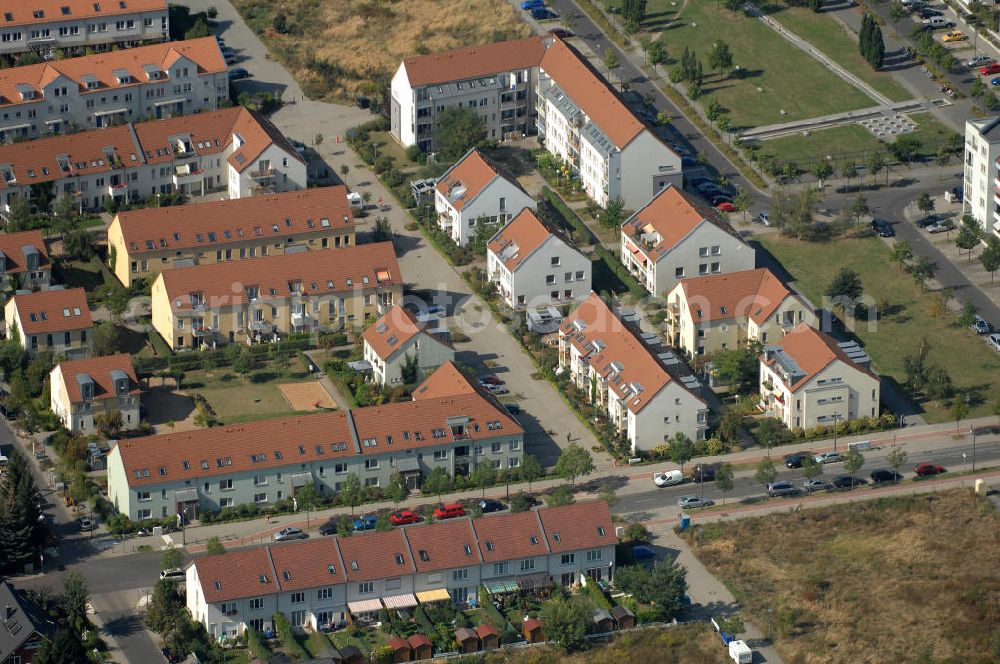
532,4
366,522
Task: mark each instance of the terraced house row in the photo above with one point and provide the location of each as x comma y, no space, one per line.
157,81
450,423
234,150
322,581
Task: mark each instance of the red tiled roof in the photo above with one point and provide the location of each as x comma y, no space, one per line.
392,331
462,182
43,312
443,545
12,245
418,640
588,90
485,629
235,575
519,238
447,381
205,133
22,11
751,294
99,369
462,64
258,133
311,564
509,536
578,526
277,215
362,267
672,214
375,555
203,52
397,643
813,351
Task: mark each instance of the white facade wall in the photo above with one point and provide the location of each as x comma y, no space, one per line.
500,200
538,280
274,171
673,410
125,29
837,394
562,567
430,354
646,165
981,175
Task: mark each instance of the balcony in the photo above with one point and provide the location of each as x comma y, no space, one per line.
203,331
301,319
116,189
262,173
186,174
260,327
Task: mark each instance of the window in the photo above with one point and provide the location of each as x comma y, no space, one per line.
527,564
594,555
225,485
340,468
550,279
716,250
555,261
496,447
144,514
260,497
324,593
371,464
440,455
371,481
459,575
499,569
366,588
256,603
225,502
298,597
568,559
260,480
679,273
716,268
703,251
515,445
580,275
144,496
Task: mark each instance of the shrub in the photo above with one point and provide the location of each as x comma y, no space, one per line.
287,636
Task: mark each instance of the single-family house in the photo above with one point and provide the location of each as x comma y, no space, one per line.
402,350
26,626
57,320
89,393
24,261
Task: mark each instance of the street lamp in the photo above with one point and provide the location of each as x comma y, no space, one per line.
836,418
972,428
963,463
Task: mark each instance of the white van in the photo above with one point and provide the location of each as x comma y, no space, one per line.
936,22
668,478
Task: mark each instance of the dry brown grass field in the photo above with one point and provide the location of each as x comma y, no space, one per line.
909,579
341,48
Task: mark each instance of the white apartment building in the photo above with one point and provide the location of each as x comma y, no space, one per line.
234,150
81,391
475,192
497,81
712,313
619,375
675,237
157,81
321,581
46,25
808,379
981,191
397,338
56,320
534,266
583,122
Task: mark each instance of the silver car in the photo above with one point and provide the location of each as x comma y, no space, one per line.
691,502
828,457
811,485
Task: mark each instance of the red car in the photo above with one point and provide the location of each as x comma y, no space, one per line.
403,517
992,68
449,511
490,379
925,469
725,206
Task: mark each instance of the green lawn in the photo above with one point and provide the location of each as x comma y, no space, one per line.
257,397
971,365
658,13
832,38
770,83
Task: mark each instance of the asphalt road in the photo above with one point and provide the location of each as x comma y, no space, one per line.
746,489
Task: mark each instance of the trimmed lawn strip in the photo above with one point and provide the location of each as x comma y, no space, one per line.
973,367
832,38
242,400
806,90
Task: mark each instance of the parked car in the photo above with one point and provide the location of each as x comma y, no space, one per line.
941,226
531,4
883,228
490,379
643,551
561,33
848,481
990,69
365,522
449,511
993,81
828,457
403,517
668,478
237,73
87,524
362,102
290,533
994,341
977,60
329,528
929,220
795,459
512,408
691,502
704,472
927,469
929,12
543,13
980,326
938,22
812,485
497,389
764,218
884,475
954,36
488,505
957,193
781,488
172,573
725,206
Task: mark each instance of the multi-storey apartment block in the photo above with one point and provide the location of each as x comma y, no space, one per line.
982,172
319,582
675,237
398,338
707,314
72,25
494,80
24,261
57,320
83,391
534,265
158,81
475,192
620,376
265,461
583,122
146,242
808,379
263,299
233,149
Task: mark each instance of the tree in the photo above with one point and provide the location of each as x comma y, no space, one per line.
743,201
108,422
520,503
438,482
823,170
681,449
969,235
990,256
925,203
531,469
409,371
896,458
198,30
738,367
905,148
733,5
172,558
663,587
483,477
959,410
853,460
351,492
107,339
382,523
214,546
875,163
896,12
765,472
382,231
968,316
657,53
607,492
75,597
561,495
721,57
574,461
566,621
922,271
724,479
19,217
859,208
614,214
458,130
611,60
876,49
77,244
244,363
64,648
901,252
165,607
849,171
396,490
845,290
810,467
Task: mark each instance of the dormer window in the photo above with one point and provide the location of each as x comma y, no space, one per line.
38,13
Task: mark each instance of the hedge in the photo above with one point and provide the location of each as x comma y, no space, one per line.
570,218
256,646
287,636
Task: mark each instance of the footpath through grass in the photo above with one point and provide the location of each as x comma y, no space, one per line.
898,579
973,367
770,83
